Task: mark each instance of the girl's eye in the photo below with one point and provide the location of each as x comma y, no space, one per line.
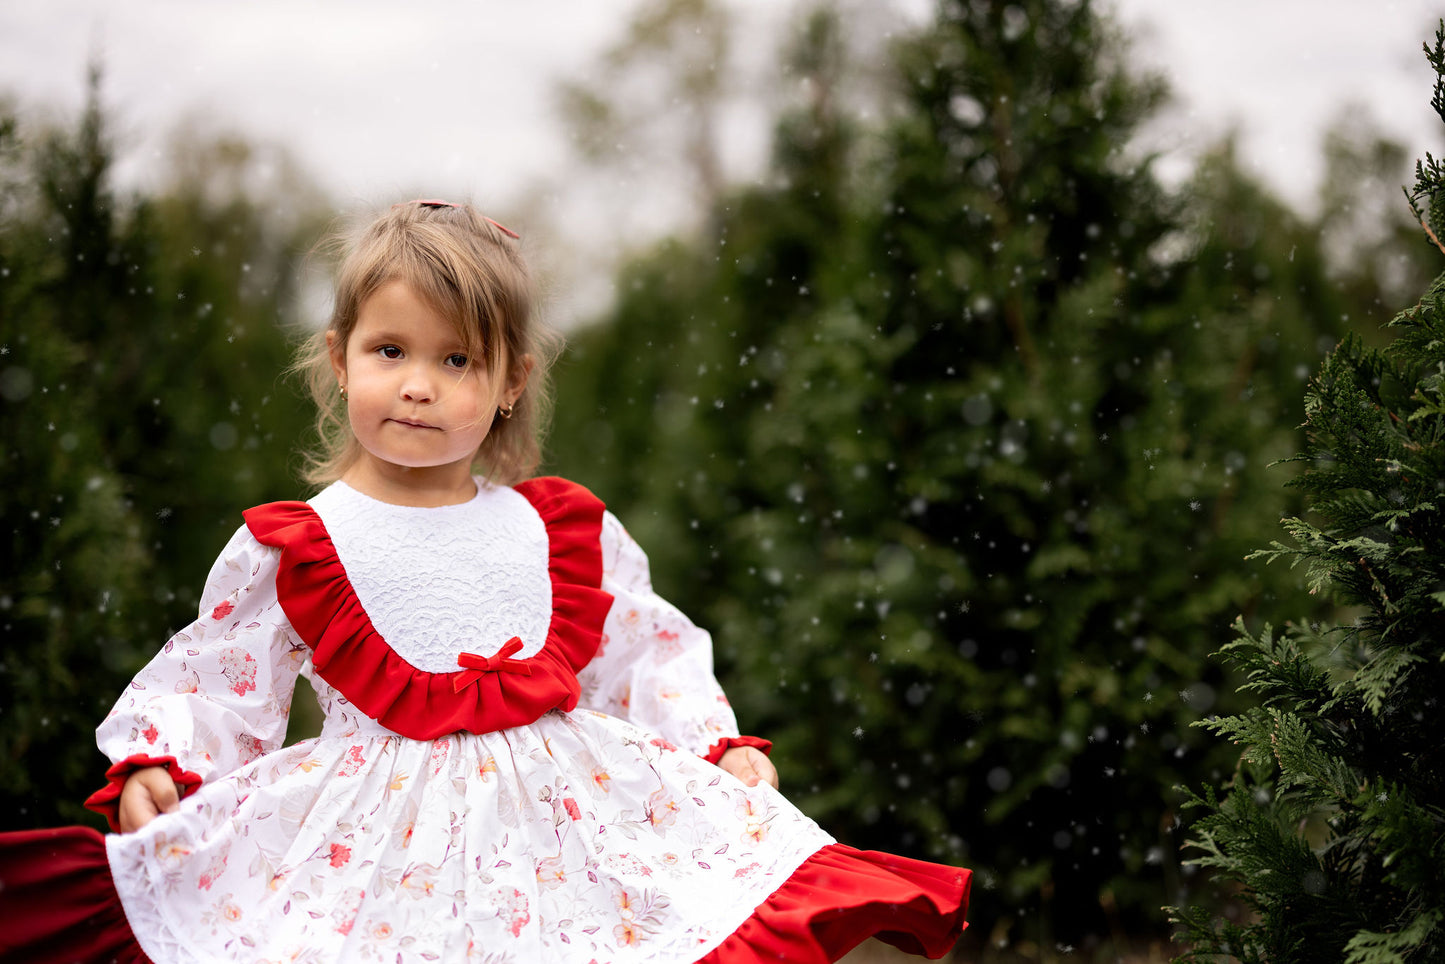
457,360
389,351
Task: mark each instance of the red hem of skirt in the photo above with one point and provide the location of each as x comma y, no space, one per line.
59,902
840,897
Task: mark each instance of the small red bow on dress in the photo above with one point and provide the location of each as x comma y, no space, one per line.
500,663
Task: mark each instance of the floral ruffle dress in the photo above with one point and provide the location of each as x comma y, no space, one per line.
514,766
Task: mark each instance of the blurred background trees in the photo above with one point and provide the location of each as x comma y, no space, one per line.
952,427
955,433
142,341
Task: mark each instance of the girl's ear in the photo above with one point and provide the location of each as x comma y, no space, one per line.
517,381
337,351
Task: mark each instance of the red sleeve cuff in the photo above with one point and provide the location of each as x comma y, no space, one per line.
106,800
716,751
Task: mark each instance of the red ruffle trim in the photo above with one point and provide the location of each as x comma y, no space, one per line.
58,901
715,752
840,897
348,653
106,800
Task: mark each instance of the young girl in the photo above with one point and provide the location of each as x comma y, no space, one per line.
525,757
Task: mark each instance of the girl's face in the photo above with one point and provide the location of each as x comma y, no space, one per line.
418,405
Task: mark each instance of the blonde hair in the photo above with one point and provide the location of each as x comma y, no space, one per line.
469,269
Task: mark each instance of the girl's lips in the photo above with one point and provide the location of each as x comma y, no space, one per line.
412,423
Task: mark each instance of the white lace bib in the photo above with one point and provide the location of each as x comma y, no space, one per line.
442,581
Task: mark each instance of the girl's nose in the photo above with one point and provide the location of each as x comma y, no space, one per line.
417,388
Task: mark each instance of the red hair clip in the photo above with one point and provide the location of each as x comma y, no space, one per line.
436,203
502,228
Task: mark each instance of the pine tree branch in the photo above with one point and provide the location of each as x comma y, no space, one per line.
1433,238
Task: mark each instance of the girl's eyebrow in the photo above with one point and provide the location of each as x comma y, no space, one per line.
388,336
382,335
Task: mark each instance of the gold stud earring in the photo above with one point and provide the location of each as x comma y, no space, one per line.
504,410
343,393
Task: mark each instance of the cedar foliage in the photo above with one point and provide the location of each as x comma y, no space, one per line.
1334,824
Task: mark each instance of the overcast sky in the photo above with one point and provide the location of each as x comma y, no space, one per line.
453,97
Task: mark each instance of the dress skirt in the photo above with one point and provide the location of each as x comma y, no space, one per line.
578,838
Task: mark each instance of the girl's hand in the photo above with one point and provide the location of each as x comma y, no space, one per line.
750,765
148,793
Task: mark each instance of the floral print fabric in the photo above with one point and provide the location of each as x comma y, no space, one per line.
597,835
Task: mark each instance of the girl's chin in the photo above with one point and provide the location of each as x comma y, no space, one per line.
419,465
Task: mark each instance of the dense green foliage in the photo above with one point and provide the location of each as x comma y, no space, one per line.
954,435
1334,822
140,363
952,429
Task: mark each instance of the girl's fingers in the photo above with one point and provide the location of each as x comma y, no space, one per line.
763,767
147,794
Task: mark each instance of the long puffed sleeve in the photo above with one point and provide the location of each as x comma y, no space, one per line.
654,666
218,694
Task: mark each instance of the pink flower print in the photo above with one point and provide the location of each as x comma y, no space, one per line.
347,908
572,810
213,871
229,910
512,908
755,821
665,744
340,854
487,767
746,871
439,751
239,667
171,853
223,610
628,864
382,931
627,934
353,763
661,809
419,880
550,873
601,779
249,747
667,645
150,733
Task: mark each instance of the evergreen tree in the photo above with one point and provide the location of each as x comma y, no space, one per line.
1334,823
947,436
141,350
